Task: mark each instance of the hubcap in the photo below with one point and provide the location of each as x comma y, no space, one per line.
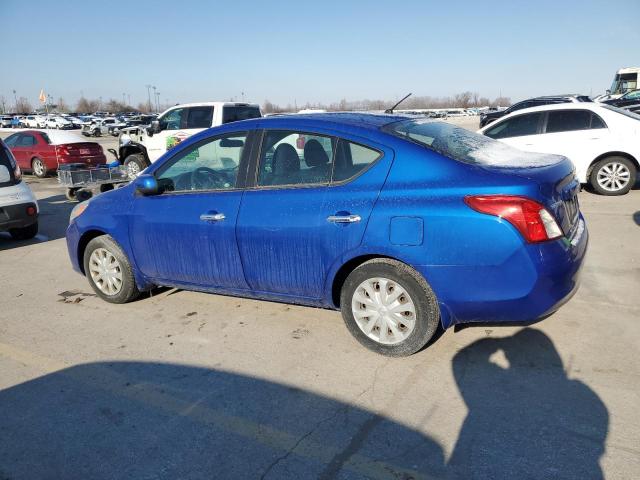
133,169
105,271
383,310
37,166
613,176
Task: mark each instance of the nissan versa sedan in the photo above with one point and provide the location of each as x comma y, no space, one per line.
404,225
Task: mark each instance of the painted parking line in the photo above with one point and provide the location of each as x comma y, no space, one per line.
153,396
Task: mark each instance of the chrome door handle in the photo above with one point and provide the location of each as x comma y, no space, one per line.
344,218
212,217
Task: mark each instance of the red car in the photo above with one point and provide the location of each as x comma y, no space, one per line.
40,152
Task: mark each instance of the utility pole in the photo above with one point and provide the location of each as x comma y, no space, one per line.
149,96
123,98
154,95
157,101
16,100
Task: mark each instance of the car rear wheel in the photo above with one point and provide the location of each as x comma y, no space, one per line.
38,168
96,133
389,308
613,176
134,164
24,233
108,270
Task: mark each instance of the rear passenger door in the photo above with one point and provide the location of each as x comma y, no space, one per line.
308,207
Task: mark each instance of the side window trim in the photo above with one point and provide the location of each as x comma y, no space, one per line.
243,160
539,126
591,117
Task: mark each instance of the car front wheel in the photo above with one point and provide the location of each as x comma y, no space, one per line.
389,307
134,164
108,270
613,176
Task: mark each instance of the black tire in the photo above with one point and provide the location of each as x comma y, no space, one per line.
105,187
128,291
38,167
83,194
427,314
97,132
135,161
24,233
599,169
70,193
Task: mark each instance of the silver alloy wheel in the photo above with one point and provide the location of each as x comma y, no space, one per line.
383,310
133,169
613,176
38,167
105,271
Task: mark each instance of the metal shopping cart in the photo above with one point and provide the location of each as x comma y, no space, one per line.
83,182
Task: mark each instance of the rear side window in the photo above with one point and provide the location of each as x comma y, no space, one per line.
295,158
518,126
572,120
11,141
351,159
199,117
234,113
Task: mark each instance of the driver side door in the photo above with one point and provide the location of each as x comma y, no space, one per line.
187,234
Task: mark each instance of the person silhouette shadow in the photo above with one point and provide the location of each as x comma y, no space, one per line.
526,418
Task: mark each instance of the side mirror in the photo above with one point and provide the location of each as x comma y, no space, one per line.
147,185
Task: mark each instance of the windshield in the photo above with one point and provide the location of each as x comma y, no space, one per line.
234,113
624,83
467,147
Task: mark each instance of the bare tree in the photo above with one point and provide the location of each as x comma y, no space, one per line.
23,105
87,106
62,105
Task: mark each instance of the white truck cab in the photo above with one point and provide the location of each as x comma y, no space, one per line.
141,146
625,80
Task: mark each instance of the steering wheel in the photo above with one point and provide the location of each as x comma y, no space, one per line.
203,178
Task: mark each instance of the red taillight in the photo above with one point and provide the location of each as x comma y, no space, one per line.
62,150
31,210
531,219
300,142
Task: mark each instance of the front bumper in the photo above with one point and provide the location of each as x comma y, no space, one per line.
16,216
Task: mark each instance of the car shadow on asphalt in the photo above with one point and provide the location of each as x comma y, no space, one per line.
526,419
52,222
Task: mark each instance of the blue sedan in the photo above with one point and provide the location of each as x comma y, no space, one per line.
404,225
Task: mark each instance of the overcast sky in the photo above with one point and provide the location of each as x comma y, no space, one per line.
287,51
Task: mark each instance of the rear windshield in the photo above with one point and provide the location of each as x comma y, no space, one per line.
467,147
233,113
7,161
626,113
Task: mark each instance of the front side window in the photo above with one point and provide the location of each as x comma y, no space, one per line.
199,117
172,120
518,126
295,158
209,165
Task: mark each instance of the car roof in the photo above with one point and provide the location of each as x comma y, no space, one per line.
214,104
363,121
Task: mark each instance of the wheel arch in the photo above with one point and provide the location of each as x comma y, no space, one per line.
133,149
612,154
82,245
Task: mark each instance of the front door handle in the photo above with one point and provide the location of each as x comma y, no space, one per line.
212,217
344,218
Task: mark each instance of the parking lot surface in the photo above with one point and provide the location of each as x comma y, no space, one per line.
190,385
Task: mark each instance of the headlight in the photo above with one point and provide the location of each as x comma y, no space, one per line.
125,139
78,210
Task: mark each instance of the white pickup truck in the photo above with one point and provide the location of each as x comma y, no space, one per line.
141,146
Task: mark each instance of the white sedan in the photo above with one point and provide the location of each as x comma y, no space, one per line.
602,141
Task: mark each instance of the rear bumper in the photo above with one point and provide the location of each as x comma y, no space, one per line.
529,285
15,216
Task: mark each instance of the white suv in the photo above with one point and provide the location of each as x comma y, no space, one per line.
602,141
139,147
18,205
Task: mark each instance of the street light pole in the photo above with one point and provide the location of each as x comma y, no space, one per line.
154,95
149,96
157,101
16,100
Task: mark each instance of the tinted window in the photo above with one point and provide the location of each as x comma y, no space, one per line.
26,140
7,161
351,159
292,158
234,113
11,140
518,126
199,117
568,120
632,95
212,165
172,120
519,106
597,122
